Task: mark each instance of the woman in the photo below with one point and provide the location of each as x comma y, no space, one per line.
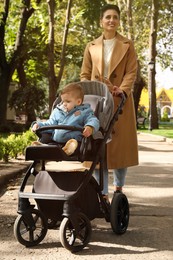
111,58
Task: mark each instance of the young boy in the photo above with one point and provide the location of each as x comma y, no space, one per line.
72,112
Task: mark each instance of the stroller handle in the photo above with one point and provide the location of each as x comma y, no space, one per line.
52,127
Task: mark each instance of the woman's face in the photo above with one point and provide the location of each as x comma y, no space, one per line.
110,21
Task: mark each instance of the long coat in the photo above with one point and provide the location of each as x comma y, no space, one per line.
122,151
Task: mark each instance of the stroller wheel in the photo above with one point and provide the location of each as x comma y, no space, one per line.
30,228
72,239
119,216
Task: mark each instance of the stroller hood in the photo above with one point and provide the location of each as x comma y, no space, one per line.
101,101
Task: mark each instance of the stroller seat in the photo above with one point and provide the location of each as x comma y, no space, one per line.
54,152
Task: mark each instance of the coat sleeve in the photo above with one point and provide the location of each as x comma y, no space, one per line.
91,120
130,70
53,119
86,68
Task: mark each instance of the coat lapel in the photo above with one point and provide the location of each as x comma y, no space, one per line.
120,49
118,53
97,53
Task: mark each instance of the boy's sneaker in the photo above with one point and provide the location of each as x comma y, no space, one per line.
70,146
35,143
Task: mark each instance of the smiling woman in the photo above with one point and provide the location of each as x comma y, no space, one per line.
111,58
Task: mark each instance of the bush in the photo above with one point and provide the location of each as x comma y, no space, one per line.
165,117
15,145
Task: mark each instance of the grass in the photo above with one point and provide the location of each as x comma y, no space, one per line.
165,130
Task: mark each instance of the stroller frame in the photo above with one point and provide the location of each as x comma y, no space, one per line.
32,224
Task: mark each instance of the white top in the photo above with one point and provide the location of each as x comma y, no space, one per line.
108,46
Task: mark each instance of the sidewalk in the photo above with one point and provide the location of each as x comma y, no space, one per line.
149,189
10,171
14,168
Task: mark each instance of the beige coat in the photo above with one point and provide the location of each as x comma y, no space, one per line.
122,151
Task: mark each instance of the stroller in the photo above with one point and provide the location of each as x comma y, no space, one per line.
69,200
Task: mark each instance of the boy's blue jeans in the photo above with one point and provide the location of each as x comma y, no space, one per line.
118,176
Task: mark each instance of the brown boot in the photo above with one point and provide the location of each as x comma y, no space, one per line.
70,146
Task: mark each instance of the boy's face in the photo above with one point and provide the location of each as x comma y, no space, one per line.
70,101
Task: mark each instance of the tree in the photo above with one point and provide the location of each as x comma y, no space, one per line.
153,118
64,42
143,13
47,61
165,34
9,63
127,28
51,71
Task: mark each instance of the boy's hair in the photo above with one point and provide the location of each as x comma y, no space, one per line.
109,7
76,90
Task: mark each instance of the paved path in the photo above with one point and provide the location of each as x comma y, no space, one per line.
149,188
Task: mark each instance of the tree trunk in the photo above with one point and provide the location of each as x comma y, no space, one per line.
130,20
139,82
153,118
4,89
4,67
53,80
64,42
7,69
30,113
138,87
51,71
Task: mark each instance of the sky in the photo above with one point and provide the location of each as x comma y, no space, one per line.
164,78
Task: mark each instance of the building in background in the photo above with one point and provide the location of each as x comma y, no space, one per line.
164,101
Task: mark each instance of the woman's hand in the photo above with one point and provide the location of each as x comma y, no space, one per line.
116,92
88,130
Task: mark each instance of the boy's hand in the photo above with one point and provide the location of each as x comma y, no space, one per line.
88,130
35,127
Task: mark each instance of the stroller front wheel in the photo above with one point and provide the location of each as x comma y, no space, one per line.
72,239
30,228
119,216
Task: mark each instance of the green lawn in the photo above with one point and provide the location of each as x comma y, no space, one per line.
165,130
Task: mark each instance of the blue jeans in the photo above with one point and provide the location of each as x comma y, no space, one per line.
118,176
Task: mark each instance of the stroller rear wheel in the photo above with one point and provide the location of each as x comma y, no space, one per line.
30,228
74,240
119,215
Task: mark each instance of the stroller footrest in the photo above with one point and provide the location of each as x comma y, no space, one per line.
45,152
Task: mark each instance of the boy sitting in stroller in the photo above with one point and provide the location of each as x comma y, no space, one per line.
71,111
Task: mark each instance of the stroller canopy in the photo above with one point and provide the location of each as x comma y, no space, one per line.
99,97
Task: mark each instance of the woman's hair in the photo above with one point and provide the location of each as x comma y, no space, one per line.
109,7
75,89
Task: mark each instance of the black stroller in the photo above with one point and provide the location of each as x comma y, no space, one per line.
69,200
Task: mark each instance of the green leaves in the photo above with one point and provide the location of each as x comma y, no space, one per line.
15,145
27,99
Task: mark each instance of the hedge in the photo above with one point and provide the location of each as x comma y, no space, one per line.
15,145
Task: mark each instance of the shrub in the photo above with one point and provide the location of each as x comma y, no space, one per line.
6,149
165,117
15,144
